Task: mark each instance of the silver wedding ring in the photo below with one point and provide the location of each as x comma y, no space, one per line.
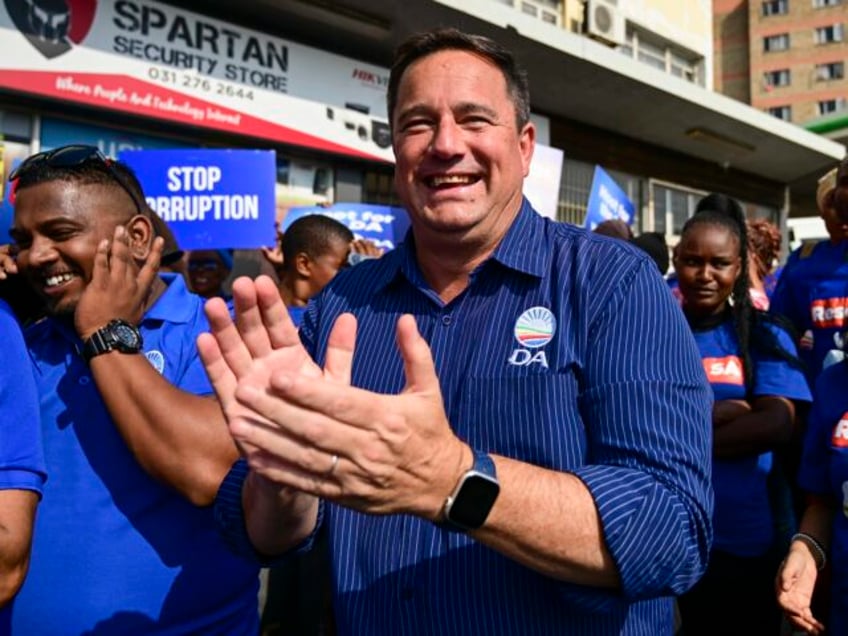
333,463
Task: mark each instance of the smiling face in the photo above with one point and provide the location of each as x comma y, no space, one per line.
707,262
206,272
57,228
460,159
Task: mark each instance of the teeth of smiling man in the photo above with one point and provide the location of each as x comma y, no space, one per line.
451,179
58,279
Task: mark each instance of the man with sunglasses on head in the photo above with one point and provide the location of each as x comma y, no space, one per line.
135,446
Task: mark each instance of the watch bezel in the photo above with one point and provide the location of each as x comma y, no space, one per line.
464,508
126,336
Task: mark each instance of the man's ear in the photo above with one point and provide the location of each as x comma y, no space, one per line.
303,265
141,234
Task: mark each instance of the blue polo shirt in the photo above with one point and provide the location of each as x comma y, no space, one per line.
21,454
824,471
812,292
115,551
565,351
743,518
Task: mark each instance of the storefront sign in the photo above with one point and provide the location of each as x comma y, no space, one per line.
211,199
154,60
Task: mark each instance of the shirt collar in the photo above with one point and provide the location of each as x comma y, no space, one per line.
522,249
174,305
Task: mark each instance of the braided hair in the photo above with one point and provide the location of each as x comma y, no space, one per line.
750,324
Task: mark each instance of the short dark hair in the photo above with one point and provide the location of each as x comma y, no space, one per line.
312,235
655,246
446,39
88,173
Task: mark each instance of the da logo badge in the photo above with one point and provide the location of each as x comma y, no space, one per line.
533,330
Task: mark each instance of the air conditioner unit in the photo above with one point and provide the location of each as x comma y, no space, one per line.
605,21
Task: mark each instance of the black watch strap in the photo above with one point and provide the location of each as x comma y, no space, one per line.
117,335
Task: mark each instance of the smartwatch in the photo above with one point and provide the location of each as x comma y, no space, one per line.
469,504
117,335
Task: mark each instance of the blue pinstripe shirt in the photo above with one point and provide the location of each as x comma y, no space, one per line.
614,392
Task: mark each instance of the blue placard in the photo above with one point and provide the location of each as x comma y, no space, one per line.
607,201
211,199
384,225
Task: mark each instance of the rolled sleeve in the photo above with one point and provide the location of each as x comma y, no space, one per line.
230,520
648,413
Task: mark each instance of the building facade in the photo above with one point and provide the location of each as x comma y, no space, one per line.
618,84
797,51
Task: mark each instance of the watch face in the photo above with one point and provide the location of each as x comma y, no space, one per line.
126,335
474,500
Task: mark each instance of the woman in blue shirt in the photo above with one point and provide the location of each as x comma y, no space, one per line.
757,381
823,532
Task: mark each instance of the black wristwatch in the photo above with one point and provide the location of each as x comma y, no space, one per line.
471,501
117,335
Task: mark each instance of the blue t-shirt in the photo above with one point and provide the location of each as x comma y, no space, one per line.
115,551
543,359
743,523
824,471
812,292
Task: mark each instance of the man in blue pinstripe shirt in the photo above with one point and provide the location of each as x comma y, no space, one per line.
495,445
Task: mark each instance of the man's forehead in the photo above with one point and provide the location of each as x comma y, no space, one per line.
450,57
69,198
487,80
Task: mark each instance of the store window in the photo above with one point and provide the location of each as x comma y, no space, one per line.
15,145
380,188
576,185
672,205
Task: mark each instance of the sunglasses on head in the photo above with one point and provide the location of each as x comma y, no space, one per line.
72,157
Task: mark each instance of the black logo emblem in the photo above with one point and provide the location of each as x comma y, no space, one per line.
52,26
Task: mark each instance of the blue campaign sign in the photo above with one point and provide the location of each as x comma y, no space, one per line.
607,201
211,199
384,225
